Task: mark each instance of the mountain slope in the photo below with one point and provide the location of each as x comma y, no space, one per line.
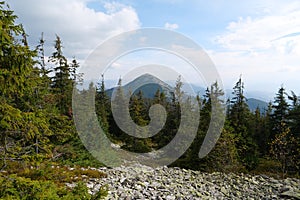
254,103
146,83
149,84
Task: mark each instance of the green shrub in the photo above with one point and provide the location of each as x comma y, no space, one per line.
15,187
58,174
48,181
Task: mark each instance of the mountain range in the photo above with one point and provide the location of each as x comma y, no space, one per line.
149,85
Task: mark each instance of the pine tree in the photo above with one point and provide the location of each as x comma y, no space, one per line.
161,139
22,124
239,108
62,81
102,105
44,96
280,112
210,104
294,125
205,113
139,115
240,119
41,57
212,112
118,104
174,109
294,115
138,110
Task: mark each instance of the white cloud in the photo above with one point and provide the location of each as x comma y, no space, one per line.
80,27
113,7
171,26
265,49
258,34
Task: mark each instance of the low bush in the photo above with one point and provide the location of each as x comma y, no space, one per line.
48,181
15,187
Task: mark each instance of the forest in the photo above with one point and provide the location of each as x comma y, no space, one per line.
37,129
263,141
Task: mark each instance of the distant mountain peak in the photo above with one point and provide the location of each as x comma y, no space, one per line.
148,84
148,77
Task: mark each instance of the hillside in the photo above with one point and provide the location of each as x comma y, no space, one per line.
256,103
150,84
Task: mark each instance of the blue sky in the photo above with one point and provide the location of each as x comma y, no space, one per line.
199,20
258,39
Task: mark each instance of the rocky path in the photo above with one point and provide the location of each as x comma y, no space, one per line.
142,182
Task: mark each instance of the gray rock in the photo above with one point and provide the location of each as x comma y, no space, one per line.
135,181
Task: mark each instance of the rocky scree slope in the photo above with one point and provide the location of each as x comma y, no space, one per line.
142,182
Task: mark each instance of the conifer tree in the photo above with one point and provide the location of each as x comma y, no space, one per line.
174,109
294,115
139,115
121,115
41,57
138,110
280,112
161,139
62,82
22,124
102,105
240,119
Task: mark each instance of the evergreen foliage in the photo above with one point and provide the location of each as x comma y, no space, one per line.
35,114
36,125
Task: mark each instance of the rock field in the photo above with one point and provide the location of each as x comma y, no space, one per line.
142,182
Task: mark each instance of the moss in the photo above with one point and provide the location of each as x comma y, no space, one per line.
91,173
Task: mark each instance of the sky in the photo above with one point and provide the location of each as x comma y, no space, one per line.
259,40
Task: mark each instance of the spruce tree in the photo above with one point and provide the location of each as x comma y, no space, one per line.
121,113
174,109
23,126
62,82
102,105
140,117
294,115
161,139
240,119
280,112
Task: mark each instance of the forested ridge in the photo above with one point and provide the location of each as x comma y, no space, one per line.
263,141
39,140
